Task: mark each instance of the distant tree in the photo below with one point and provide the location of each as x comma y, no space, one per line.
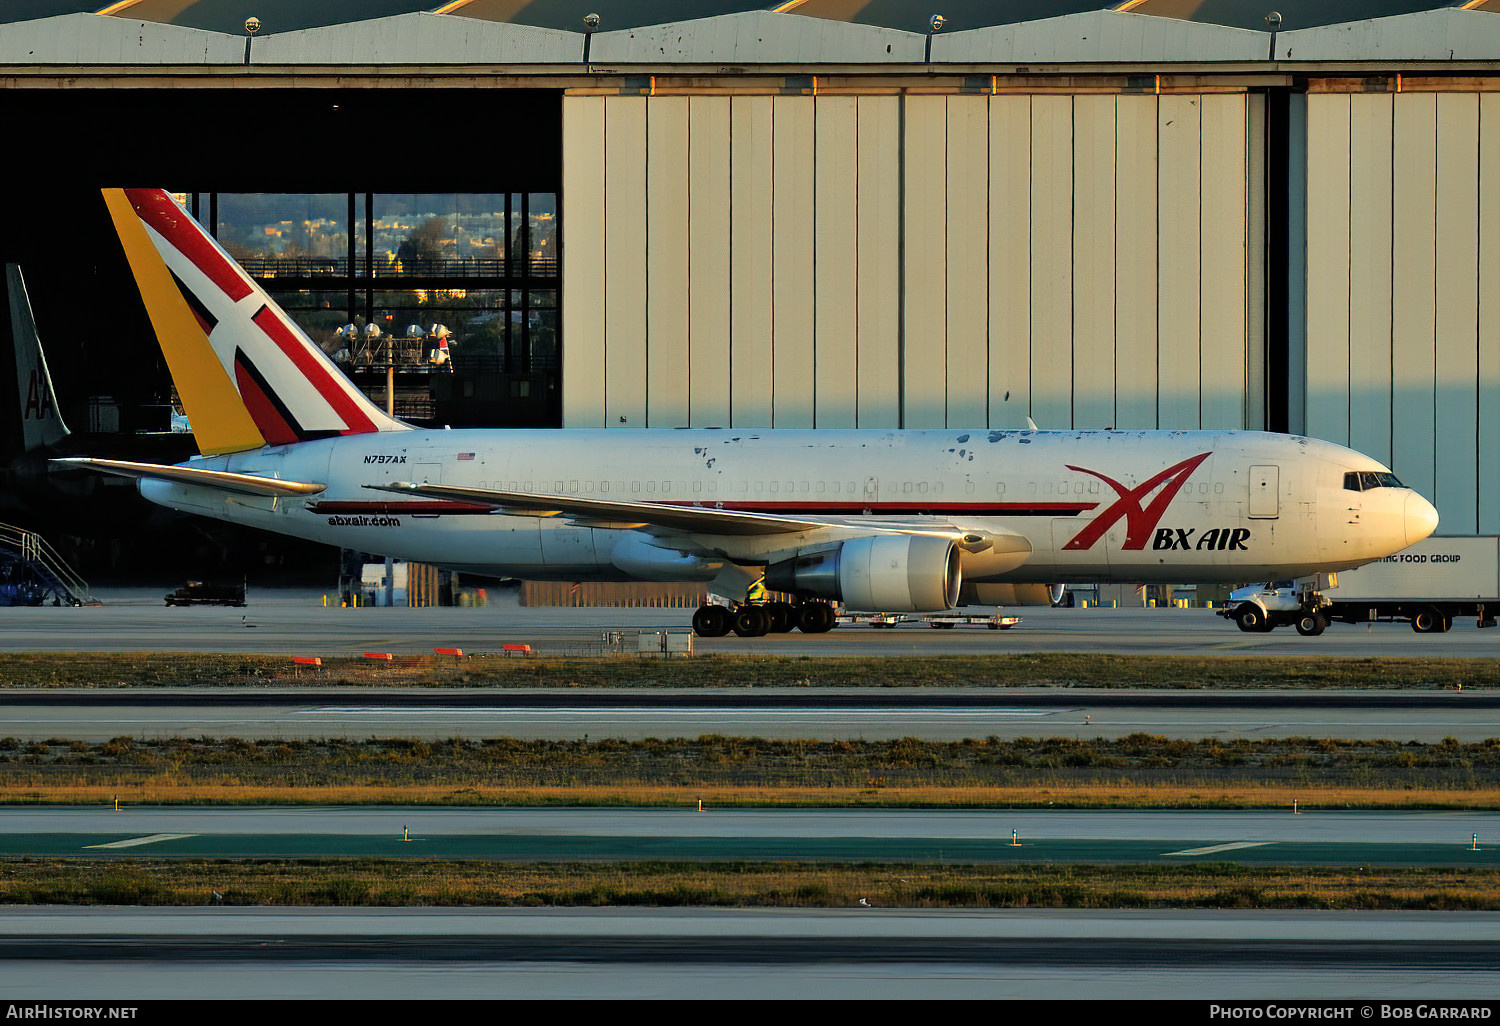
425,243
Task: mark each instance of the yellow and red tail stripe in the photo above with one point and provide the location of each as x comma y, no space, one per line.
247,375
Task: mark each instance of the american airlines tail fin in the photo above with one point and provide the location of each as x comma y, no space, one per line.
41,423
246,374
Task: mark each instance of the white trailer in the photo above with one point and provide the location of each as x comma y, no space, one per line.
994,621
1427,585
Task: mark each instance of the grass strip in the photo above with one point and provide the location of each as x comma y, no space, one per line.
1047,669
380,882
1138,771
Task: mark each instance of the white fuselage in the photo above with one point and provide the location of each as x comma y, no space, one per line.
1240,505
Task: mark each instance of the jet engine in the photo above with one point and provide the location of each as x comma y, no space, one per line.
1013,594
888,572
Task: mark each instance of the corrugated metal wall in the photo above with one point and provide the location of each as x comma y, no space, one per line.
1403,311
917,261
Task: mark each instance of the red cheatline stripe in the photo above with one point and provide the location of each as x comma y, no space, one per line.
999,509
343,404
434,506
169,220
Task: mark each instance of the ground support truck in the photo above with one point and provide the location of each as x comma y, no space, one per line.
1427,585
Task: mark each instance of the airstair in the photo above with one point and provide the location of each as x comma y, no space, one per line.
31,572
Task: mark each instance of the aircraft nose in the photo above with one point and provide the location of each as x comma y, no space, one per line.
1421,518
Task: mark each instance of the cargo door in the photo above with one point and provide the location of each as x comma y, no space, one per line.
1265,493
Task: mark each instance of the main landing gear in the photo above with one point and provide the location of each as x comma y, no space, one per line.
755,620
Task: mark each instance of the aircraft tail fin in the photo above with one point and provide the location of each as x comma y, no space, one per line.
41,423
246,374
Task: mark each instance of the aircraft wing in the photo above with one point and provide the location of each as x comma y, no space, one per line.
681,518
242,484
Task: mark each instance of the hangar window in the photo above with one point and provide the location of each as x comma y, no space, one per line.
457,291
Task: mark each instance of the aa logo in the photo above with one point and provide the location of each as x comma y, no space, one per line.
1140,521
38,398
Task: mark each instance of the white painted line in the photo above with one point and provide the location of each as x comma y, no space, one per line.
1212,849
131,842
624,714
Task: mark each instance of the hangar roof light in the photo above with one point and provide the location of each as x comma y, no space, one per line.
1443,35
613,14
275,15
906,15
912,15
742,32
1295,14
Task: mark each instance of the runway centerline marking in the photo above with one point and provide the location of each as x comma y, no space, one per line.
819,714
131,842
1214,848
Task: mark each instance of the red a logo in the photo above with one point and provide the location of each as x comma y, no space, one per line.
1139,521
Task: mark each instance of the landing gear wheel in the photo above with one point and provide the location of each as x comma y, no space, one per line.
783,616
1310,625
1427,621
751,622
1252,619
711,622
816,618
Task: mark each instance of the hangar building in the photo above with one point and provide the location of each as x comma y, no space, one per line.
827,213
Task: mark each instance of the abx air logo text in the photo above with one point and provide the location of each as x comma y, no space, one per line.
1218,538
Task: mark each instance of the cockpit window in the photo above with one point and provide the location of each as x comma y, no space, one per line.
1364,480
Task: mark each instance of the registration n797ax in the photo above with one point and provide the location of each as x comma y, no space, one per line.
884,519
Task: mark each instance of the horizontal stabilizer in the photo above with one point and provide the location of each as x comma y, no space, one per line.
241,484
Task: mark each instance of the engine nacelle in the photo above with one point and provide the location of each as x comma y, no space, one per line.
886,572
1012,594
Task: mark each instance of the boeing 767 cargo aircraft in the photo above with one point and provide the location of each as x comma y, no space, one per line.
876,519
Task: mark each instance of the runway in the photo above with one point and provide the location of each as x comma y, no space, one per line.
983,836
848,954
296,622
943,714
845,954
